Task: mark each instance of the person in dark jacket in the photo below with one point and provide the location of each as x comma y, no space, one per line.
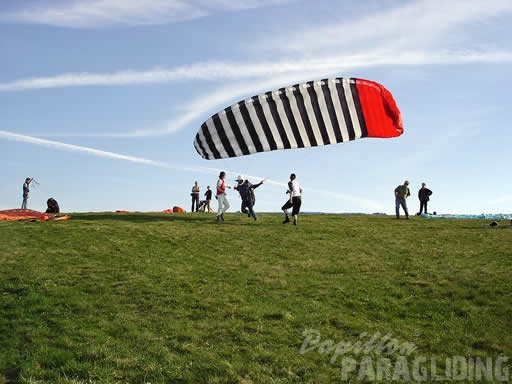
424,196
53,206
208,196
246,190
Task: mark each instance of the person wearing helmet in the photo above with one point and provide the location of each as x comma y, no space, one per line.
246,190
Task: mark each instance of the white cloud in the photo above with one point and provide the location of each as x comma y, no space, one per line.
416,25
262,76
413,34
214,71
105,13
202,107
211,71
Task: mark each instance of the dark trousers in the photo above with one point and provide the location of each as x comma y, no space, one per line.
294,204
195,201
423,204
248,208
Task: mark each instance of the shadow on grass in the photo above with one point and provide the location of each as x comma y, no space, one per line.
10,375
144,217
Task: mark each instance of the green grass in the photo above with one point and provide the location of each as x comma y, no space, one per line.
155,298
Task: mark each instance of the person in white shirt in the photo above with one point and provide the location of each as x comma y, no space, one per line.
294,201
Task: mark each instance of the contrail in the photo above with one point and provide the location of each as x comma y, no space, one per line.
112,155
76,148
140,160
214,71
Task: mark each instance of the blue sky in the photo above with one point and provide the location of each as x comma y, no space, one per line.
100,100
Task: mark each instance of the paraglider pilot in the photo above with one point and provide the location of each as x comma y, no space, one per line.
246,190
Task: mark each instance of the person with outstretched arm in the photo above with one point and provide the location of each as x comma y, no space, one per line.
26,192
246,190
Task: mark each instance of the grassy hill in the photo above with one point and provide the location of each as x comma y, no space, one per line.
177,298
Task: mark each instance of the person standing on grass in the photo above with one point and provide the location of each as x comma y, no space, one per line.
246,190
221,197
401,193
424,196
208,196
195,197
295,200
26,192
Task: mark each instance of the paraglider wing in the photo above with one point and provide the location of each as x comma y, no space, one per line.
311,114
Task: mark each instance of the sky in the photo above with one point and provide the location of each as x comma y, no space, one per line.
100,100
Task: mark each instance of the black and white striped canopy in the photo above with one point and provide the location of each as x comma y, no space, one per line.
304,115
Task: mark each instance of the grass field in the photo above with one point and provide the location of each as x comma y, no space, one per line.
155,298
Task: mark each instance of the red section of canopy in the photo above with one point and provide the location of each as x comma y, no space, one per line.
22,214
381,113
29,214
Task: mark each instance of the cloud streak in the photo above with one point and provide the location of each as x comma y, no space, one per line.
250,79
75,148
107,13
215,71
110,155
367,204
406,26
423,23
200,108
